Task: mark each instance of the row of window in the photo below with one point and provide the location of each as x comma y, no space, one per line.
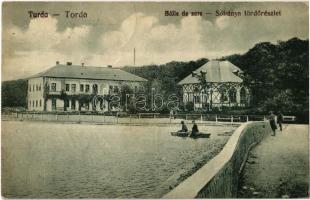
35,103
73,88
223,97
34,87
83,88
66,104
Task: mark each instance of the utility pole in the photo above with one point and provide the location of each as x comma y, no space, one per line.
134,56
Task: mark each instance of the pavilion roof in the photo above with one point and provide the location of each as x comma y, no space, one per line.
217,72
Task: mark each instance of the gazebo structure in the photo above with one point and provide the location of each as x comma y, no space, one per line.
219,85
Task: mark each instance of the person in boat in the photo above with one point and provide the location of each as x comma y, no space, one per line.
194,129
184,127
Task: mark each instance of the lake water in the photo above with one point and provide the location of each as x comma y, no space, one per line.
49,160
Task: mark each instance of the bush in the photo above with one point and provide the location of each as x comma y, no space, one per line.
189,106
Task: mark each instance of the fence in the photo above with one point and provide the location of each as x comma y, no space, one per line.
133,118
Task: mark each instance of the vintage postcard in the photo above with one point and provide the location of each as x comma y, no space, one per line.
155,100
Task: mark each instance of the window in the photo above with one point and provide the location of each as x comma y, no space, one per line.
32,103
81,88
196,99
243,96
53,104
73,87
116,90
86,88
95,88
196,90
36,103
33,88
29,104
37,87
40,87
232,95
223,97
67,87
53,87
72,104
40,103
102,106
66,104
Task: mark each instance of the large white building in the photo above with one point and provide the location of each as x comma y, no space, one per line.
71,87
224,86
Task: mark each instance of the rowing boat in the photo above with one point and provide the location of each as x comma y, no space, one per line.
186,134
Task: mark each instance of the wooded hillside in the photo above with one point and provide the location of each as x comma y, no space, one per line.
278,75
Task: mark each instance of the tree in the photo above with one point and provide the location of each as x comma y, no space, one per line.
14,93
277,74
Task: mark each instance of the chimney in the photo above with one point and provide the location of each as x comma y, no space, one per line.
82,64
109,66
69,63
57,62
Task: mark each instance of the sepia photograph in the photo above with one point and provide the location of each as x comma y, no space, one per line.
149,100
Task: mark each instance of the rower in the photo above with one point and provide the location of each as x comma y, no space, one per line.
184,127
194,129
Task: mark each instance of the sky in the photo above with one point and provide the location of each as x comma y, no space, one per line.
113,29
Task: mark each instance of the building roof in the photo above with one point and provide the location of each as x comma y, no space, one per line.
217,71
88,72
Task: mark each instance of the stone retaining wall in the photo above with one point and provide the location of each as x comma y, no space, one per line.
220,176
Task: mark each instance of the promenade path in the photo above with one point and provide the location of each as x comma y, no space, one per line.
278,167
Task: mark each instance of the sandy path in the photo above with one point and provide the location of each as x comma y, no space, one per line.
278,166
